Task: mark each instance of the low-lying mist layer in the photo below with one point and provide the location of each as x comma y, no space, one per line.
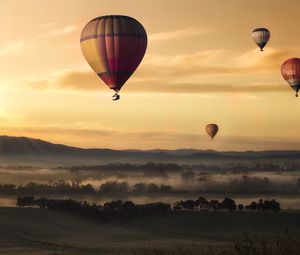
153,180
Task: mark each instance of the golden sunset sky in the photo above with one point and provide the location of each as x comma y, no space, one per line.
201,66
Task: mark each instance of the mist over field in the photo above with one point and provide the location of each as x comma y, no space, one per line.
152,182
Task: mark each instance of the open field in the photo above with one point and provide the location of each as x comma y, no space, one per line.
35,231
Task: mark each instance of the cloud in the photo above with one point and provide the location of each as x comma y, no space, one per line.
78,80
205,88
177,34
36,84
218,62
12,48
73,80
88,81
47,25
98,132
200,72
57,31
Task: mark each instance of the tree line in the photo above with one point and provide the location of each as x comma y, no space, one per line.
110,210
173,167
108,188
243,185
227,204
150,166
126,209
40,188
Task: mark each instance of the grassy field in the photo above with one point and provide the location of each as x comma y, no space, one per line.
35,231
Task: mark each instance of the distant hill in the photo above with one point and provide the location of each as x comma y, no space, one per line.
17,150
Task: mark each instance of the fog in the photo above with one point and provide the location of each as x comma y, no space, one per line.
161,184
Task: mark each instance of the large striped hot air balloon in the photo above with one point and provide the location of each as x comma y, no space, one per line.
290,71
114,46
212,130
261,36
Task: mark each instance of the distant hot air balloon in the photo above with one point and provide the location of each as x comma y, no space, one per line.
114,46
212,130
261,36
290,71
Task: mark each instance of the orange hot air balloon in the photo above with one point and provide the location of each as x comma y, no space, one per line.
212,130
114,46
290,71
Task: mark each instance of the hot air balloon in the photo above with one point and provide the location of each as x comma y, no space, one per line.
290,71
261,36
114,46
212,130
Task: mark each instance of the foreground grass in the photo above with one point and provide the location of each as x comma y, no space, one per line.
40,232
248,245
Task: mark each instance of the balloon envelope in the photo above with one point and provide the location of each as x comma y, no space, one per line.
261,36
212,130
113,46
290,71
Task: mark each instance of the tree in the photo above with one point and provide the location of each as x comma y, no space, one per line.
240,207
188,204
214,205
113,205
129,207
228,204
261,206
25,201
139,188
188,176
152,188
114,188
202,203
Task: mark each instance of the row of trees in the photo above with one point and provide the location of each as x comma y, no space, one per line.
108,188
264,205
243,185
119,209
251,167
40,188
20,167
227,204
110,210
149,167
172,167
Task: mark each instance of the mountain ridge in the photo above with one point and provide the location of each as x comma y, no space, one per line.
26,148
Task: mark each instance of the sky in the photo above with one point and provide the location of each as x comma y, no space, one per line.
201,66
